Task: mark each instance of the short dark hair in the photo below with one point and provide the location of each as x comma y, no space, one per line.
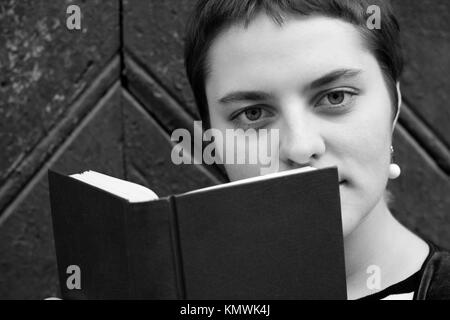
210,17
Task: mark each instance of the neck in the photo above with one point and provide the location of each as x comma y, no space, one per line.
381,241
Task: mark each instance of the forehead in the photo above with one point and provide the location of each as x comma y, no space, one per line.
299,50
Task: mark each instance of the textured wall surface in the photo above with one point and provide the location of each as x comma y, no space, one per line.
108,96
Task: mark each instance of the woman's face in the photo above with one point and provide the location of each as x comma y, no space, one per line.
313,80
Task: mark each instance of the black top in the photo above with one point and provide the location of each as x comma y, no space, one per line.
431,282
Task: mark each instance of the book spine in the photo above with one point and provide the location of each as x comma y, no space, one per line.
150,249
176,249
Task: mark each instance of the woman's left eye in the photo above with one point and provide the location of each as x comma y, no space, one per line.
336,98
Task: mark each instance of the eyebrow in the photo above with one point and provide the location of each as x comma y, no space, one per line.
334,76
238,96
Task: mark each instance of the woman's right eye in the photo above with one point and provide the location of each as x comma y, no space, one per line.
251,116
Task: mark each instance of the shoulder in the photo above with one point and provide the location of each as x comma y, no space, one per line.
435,282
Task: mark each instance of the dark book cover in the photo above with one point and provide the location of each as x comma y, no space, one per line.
276,238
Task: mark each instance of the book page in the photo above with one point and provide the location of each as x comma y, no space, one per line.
134,192
257,178
130,191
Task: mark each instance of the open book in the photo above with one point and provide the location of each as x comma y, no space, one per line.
277,236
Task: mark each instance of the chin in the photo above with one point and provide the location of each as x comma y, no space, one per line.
350,221
352,214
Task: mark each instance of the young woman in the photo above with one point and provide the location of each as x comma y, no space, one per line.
329,84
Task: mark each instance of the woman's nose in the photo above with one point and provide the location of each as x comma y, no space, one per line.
300,141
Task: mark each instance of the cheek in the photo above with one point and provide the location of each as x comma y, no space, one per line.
366,163
368,130
370,148
373,145
228,152
365,152
241,171
245,155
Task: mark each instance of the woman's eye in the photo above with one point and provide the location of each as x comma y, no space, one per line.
336,98
252,116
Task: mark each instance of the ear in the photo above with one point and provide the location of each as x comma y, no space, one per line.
399,105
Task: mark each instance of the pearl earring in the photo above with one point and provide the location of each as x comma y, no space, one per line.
394,169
